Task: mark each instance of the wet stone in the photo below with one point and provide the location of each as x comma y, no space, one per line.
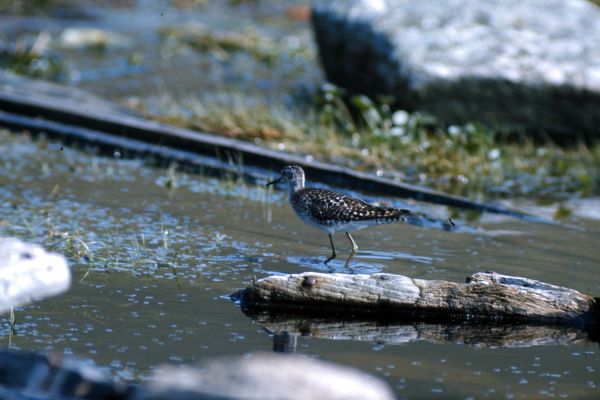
265,376
53,376
532,65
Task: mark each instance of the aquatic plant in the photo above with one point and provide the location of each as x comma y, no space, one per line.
29,56
223,45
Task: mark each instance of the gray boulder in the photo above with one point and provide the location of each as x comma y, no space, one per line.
532,65
38,376
265,376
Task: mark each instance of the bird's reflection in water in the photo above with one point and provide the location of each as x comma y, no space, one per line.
360,262
337,266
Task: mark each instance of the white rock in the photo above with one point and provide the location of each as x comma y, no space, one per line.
269,376
28,273
77,38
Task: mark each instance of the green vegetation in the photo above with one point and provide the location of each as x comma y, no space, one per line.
261,86
354,130
33,65
29,56
39,178
30,7
222,45
368,134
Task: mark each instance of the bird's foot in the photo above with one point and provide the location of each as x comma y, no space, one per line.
350,257
329,259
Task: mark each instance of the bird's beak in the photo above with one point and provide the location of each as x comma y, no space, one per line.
273,182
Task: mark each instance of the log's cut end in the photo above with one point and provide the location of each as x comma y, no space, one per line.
485,296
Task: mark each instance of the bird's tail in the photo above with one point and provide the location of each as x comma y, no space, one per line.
403,214
390,215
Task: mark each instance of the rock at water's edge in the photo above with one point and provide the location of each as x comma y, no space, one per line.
28,273
532,65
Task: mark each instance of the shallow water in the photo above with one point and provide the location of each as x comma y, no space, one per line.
147,61
153,268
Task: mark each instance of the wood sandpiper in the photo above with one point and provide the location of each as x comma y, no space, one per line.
332,211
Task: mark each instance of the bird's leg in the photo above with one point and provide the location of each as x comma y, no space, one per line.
350,257
354,246
332,249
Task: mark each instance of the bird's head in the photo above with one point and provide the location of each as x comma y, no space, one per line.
293,175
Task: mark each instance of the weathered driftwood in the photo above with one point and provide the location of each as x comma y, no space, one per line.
485,296
28,273
487,335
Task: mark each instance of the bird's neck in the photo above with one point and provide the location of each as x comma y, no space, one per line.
296,185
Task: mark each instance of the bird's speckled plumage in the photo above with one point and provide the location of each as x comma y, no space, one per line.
332,211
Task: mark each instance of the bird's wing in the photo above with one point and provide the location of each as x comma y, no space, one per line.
326,205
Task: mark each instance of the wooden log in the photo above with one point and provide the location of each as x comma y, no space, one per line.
484,296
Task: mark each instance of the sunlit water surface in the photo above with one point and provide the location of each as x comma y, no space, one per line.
156,253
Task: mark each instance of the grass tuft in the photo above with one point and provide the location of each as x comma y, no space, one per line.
356,131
